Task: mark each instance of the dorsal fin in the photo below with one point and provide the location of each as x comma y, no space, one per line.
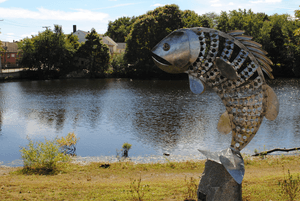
236,32
255,49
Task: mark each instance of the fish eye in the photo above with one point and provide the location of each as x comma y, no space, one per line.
166,46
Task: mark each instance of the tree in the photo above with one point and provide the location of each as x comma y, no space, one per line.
146,32
96,54
49,50
297,16
120,28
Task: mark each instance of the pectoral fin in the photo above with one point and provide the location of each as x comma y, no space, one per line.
272,103
226,69
196,85
224,125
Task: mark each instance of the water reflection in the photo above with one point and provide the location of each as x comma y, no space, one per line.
155,116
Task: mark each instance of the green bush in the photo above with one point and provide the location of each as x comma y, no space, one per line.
42,157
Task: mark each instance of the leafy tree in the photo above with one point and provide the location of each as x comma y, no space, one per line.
28,54
213,19
146,32
96,54
1,49
49,50
297,15
120,28
223,22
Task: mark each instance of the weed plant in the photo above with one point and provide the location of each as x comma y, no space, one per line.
191,192
137,190
289,186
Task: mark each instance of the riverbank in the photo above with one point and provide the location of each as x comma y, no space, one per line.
153,181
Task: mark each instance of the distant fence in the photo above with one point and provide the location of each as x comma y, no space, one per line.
10,68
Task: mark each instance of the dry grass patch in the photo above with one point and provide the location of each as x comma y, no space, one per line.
124,180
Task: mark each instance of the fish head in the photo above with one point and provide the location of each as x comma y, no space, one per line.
177,51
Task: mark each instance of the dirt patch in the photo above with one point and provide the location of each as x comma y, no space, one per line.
5,170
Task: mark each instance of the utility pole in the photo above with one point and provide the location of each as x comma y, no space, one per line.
0,56
47,27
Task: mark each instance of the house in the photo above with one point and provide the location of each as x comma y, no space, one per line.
10,55
121,48
105,39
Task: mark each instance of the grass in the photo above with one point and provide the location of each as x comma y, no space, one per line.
129,181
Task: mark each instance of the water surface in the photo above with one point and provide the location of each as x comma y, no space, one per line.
154,116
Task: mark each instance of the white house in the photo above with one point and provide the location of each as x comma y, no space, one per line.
105,39
121,48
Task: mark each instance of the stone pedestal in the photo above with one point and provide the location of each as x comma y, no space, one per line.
217,184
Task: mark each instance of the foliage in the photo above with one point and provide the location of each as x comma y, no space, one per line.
297,16
42,157
119,65
289,186
148,30
120,28
49,50
96,54
124,151
126,146
192,19
191,192
68,144
1,49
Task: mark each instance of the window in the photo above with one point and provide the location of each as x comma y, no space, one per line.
12,55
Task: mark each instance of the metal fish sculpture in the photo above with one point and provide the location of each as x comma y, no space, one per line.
232,65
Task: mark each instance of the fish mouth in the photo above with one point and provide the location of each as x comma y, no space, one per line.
160,61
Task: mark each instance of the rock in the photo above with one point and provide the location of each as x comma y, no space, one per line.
216,184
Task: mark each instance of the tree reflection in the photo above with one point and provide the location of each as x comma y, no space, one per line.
168,117
1,121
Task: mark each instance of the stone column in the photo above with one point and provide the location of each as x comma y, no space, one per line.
217,184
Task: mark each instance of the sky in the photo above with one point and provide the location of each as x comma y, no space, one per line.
20,19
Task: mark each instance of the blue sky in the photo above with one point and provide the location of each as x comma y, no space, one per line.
25,18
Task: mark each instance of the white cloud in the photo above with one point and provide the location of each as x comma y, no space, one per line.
231,3
157,5
115,6
256,2
46,14
273,1
29,35
1,1
265,1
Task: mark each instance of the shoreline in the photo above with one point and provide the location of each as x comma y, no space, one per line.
86,160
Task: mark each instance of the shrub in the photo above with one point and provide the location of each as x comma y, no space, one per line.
42,157
67,145
124,151
126,146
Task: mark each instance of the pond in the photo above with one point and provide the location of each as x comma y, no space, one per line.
155,116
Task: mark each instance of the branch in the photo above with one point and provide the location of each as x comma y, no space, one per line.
276,149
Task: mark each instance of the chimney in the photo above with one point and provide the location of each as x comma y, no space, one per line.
74,28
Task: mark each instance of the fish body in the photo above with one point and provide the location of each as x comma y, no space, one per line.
232,65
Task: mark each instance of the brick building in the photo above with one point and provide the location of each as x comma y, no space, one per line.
10,55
